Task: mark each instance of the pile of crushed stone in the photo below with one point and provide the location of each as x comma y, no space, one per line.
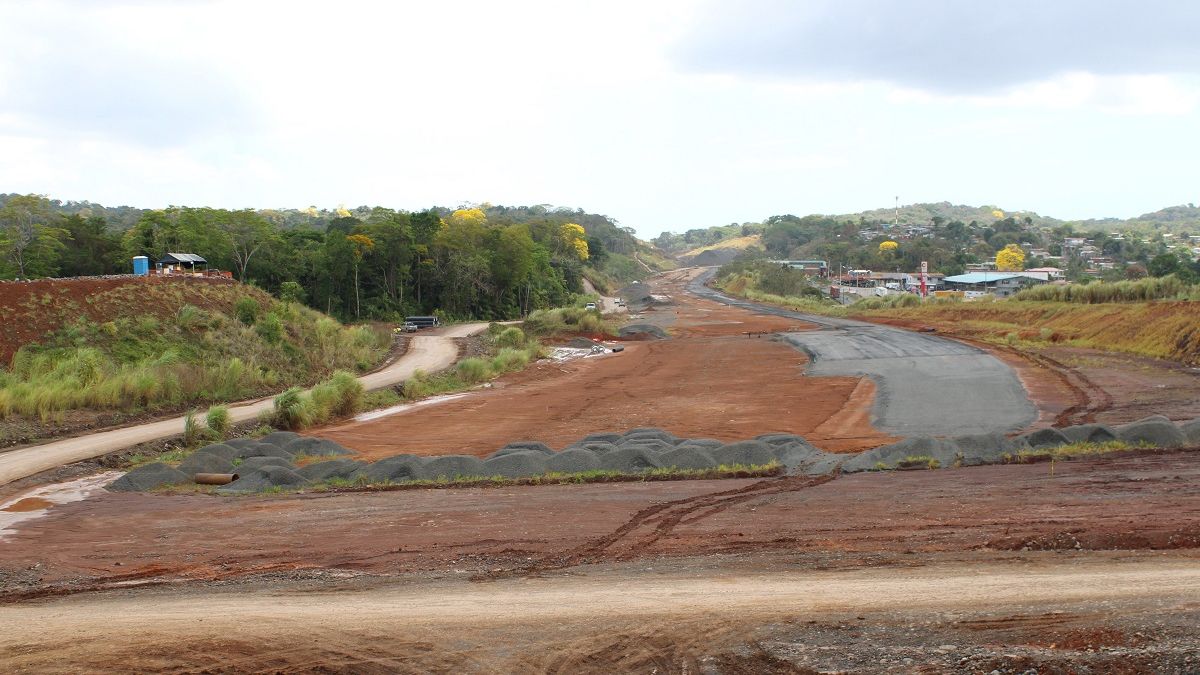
269,462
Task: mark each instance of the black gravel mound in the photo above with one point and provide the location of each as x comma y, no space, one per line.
205,462
516,465
1159,433
333,468
450,467
251,463
1090,433
630,460
643,331
265,478
263,465
573,460
149,477
1044,438
394,469
222,450
315,447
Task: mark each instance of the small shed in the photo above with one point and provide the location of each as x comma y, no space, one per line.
181,263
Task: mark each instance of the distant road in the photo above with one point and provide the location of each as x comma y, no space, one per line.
607,304
425,352
927,385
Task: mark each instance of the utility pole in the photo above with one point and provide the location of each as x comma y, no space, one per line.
896,219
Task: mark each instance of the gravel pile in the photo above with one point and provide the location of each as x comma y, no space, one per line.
149,477
635,295
642,331
269,462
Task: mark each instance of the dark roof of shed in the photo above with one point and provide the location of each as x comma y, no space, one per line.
183,257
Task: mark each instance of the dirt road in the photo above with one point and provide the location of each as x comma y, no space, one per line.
608,304
719,376
533,624
425,352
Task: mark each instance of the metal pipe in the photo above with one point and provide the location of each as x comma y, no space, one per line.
215,478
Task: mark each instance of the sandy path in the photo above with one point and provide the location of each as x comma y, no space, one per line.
421,619
425,352
608,304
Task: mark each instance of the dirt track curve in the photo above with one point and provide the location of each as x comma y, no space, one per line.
425,352
450,624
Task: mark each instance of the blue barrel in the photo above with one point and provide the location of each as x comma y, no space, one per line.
141,266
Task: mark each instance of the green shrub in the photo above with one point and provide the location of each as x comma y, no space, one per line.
270,328
474,370
511,337
191,317
246,309
339,396
192,433
509,360
218,420
293,410
591,323
291,292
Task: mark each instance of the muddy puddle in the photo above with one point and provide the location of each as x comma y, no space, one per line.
39,501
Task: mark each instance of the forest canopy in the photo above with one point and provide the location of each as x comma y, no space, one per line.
478,261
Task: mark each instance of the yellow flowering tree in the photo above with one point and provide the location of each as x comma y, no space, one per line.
1010,259
888,247
574,240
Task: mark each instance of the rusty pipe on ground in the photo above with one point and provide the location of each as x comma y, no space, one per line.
215,478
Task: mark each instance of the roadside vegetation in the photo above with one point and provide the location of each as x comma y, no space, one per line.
362,484
243,344
509,349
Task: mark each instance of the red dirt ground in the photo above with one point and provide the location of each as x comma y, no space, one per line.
1137,501
31,309
710,380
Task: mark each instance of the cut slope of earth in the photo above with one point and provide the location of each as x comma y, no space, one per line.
97,352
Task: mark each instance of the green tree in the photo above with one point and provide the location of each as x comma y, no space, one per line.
246,233
29,240
93,250
360,245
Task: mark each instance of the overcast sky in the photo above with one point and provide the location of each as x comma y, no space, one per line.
663,115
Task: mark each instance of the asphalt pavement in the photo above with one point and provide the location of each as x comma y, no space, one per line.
925,385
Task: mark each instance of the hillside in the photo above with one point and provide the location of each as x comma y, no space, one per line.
79,347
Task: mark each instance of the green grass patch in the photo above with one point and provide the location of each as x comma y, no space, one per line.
773,468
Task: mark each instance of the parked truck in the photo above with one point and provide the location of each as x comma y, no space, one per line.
423,321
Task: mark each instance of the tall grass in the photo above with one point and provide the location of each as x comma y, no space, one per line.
218,420
339,396
134,363
1142,290
544,322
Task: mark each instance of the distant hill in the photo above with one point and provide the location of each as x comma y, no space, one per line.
1183,219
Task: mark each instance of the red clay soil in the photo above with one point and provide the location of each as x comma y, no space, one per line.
719,376
1138,501
31,309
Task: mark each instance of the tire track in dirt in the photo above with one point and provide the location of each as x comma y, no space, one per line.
1090,398
651,524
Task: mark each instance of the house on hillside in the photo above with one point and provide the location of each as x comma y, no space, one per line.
812,267
1054,273
181,263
